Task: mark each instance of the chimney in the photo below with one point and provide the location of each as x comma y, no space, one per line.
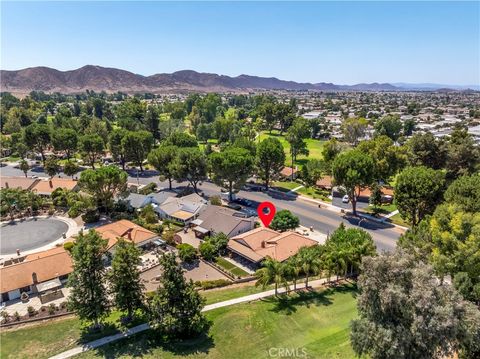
50,183
34,278
263,244
6,185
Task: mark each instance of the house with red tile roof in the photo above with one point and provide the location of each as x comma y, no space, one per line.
260,243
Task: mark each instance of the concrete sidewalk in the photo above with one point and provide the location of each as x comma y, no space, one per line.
142,327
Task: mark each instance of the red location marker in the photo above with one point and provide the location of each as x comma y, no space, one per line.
266,217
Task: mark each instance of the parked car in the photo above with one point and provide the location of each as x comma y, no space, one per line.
345,199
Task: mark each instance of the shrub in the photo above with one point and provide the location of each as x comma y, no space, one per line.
215,201
149,188
91,216
73,212
68,246
16,316
284,220
186,252
217,283
43,308
207,251
31,311
52,308
5,316
169,237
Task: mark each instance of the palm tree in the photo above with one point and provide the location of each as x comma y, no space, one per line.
310,262
272,271
294,265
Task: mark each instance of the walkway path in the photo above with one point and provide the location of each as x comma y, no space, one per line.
295,189
142,327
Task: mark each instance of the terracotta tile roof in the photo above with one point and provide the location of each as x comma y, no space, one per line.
325,182
17,182
125,229
264,242
46,187
386,191
287,171
46,265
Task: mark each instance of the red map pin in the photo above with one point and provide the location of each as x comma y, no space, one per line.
266,217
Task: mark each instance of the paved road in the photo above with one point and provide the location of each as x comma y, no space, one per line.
142,327
321,219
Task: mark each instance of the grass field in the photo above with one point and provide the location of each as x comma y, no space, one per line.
312,192
316,322
230,267
314,146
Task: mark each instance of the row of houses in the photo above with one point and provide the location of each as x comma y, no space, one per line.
41,186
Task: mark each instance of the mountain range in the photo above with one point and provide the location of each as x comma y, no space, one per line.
99,78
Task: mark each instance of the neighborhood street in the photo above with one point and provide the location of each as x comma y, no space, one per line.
321,219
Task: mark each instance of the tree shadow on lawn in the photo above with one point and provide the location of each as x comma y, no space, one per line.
288,304
144,343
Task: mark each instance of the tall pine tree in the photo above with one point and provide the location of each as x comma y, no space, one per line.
125,282
176,308
88,297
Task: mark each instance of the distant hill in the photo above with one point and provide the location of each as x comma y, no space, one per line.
99,78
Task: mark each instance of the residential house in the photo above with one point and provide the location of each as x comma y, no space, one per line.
288,172
182,209
325,182
256,245
216,219
138,201
45,187
35,273
24,183
125,229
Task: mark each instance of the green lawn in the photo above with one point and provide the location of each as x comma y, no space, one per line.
312,192
46,339
222,294
386,209
314,146
230,267
317,322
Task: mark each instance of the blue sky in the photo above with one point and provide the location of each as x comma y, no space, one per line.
340,42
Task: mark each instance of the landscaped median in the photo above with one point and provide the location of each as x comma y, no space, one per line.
323,316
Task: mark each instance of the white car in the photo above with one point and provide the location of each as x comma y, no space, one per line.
345,199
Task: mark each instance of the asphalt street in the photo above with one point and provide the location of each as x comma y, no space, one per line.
321,219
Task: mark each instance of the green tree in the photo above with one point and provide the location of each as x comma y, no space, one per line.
296,135
24,167
152,120
418,190
231,168
116,147
181,139
88,297
294,268
137,145
204,132
271,271
284,220
463,156
330,150
190,164
38,138
207,251
312,172
51,166
125,282
187,252
65,140
465,192
176,308
388,159
409,126
353,170
92,147
426,150
103,184
70,168
162,159
270,158
354,129
405,313
375,199
389,126
310,262
219,242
